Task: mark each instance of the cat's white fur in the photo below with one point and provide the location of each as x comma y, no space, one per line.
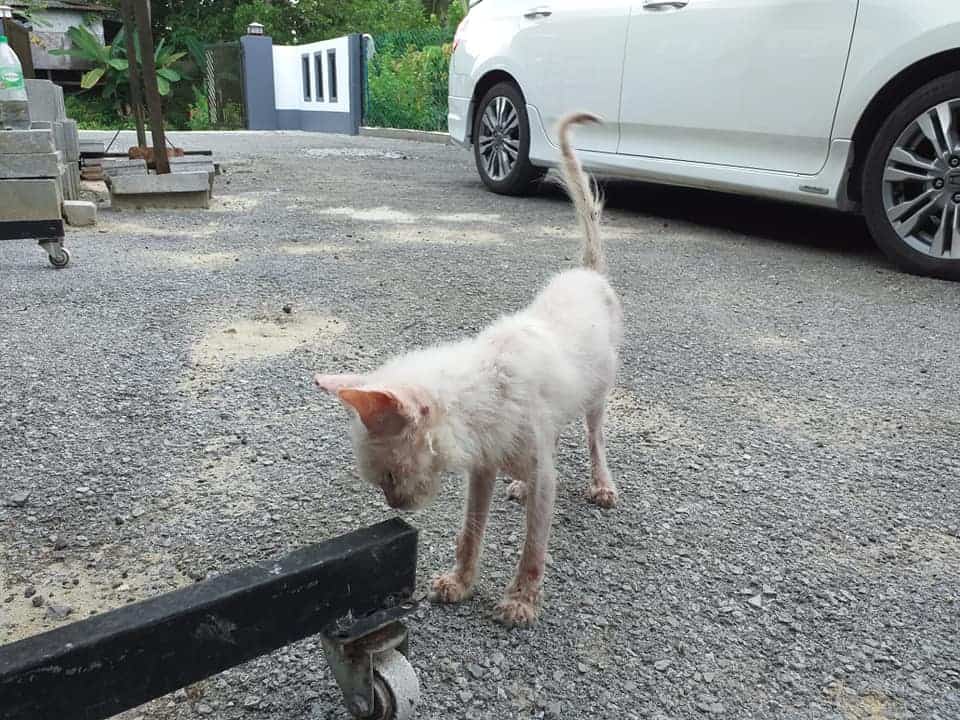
497,403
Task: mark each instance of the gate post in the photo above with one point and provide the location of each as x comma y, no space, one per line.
259,96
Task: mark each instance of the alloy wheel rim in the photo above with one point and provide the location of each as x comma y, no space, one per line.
921,182
499,140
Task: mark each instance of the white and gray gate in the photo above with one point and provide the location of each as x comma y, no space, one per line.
317,86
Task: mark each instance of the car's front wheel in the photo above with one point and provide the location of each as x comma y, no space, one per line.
911,181
501,142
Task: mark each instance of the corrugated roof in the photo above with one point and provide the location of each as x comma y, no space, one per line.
63,5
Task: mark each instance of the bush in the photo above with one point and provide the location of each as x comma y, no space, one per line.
408,89
93,112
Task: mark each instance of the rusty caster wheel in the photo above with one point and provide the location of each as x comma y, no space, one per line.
396,689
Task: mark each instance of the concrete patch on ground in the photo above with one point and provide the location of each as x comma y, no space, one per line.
315,248
469,218
629,416
775,343
919,551
440,236
110,225
356,153
211,260
234,203
257,340
382,214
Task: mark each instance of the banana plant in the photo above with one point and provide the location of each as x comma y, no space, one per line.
110,64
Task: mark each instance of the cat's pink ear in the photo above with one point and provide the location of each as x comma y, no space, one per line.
334,383
381,412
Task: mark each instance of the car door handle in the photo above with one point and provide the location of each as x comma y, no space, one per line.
664,4
537,13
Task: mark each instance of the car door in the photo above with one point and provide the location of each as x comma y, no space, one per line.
571,56
746,83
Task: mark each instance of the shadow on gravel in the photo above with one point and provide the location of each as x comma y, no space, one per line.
766,220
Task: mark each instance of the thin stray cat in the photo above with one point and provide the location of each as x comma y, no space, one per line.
497,403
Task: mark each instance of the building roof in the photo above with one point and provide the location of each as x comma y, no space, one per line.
63,5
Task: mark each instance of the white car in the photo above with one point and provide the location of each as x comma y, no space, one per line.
849,104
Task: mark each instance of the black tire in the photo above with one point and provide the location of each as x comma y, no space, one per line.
523,177
907,258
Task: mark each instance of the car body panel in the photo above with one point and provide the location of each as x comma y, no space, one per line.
745,83
887,38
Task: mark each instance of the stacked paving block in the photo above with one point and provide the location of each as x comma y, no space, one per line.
31,194
29,176
48,113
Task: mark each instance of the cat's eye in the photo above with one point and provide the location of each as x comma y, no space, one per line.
389,478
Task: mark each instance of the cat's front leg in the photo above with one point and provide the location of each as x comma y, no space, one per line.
456,585
522,600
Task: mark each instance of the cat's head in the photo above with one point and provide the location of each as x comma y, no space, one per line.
391,438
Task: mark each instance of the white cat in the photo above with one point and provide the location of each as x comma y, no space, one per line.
497,403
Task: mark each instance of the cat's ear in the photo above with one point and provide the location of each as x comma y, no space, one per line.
334,383
382,413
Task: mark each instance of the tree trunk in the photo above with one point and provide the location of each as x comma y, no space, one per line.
150,89
136,96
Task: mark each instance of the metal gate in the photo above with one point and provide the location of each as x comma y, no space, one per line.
223,81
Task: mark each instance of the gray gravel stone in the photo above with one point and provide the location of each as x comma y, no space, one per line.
767,434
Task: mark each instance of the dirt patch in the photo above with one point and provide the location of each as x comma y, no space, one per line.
257,340
918,551
866,705
87,586
629,417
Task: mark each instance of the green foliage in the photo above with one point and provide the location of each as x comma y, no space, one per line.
409,90
93,112
111,66
199,112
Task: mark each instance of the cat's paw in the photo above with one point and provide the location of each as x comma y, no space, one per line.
517,612
604,496
449,588
517,491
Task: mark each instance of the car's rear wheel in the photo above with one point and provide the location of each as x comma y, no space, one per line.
501,142
911,182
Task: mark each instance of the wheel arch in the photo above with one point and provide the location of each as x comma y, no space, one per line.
487,81
897,89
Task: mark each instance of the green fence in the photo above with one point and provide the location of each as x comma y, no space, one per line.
406,80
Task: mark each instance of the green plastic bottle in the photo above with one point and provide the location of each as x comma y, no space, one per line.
14,109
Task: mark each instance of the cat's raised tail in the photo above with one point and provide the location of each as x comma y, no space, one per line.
583,192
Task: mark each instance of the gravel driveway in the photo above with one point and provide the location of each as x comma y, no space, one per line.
785,435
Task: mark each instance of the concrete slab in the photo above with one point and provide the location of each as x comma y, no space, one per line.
95,191
167,201
29,200
38,165
46,101
26,142
121,166
71,140
92,146
80,213
172,183
176,190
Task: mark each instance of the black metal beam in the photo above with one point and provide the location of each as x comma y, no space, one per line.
96,668
31,230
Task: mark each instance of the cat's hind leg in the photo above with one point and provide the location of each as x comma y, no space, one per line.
602,491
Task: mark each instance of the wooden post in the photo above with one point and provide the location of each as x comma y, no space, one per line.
150,89
136,94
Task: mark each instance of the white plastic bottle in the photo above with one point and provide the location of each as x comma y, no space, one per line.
14,110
